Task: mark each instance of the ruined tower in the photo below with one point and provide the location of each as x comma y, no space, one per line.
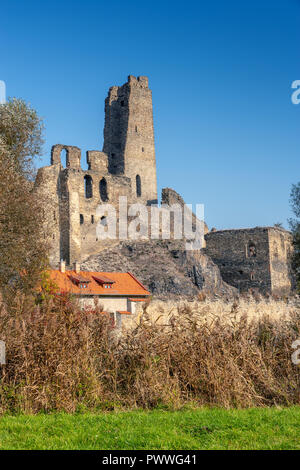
126,168
129,136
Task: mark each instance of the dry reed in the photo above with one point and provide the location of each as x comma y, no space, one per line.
212,353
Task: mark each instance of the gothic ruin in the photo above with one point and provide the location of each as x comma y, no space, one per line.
255,258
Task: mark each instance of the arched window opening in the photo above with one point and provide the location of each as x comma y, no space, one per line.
64,158
88,187
251,250
103,190
81,219
103,221
138,186
92,219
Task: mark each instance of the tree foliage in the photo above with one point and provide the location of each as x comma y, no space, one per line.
23,250
21,131
295,227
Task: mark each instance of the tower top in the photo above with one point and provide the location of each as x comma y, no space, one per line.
129,136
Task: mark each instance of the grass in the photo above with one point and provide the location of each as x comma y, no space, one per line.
202,428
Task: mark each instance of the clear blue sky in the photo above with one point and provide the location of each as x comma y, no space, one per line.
227,134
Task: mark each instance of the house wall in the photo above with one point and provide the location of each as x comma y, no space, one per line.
109,304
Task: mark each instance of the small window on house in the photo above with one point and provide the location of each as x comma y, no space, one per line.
88,186
138,186
81,219
92,219
103,190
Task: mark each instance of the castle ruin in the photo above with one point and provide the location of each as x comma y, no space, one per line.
247,258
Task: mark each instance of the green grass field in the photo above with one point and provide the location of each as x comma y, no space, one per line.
203,428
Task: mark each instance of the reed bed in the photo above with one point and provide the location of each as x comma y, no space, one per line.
215,353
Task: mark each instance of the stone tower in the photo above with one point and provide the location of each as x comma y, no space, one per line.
129,136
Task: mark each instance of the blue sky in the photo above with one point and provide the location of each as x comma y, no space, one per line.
226,131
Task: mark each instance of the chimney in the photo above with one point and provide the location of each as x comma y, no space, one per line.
62,266
77,267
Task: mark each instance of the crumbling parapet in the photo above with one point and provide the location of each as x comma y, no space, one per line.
73,155
97,161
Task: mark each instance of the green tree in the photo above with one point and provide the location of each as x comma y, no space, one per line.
23,250
21,131
295,227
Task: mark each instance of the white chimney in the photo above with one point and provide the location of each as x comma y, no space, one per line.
62,266
77,267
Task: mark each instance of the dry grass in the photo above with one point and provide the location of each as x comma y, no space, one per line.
215,353
255,309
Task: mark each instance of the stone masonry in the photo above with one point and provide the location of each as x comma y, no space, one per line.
256,258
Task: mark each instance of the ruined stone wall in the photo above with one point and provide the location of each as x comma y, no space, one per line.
242,257
170,197
252,258
76,195
129,136
280,248
47,186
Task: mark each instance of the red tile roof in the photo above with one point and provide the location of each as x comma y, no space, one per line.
103,279
124,284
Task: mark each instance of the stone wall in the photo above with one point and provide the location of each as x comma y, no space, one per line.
280,248
247,260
